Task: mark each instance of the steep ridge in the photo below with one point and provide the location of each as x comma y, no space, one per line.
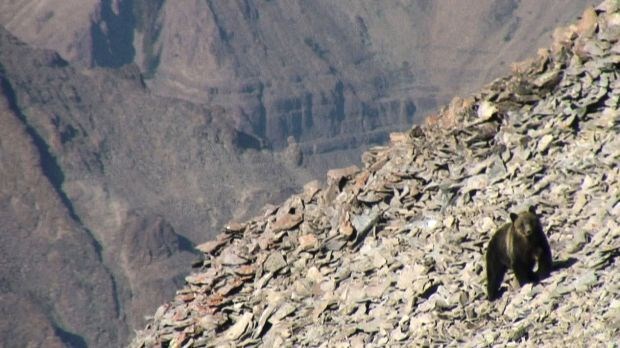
392,254
54,288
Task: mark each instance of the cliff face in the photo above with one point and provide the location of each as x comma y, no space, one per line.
393,254
335,75
332,75
51,267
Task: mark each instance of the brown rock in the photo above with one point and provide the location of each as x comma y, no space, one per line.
588,23
212,246
334,175
308,241
287,221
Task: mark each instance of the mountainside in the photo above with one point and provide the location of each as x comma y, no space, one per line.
51,271
334,75
133,130
393,253
103,186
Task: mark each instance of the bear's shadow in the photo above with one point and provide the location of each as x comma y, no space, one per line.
557,265
561,264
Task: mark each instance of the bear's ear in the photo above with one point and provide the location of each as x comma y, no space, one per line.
513,217
532,209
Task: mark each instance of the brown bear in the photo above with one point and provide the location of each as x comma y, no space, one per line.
518,245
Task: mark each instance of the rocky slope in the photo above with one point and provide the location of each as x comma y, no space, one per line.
392,254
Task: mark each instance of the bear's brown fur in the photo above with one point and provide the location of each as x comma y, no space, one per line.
518,245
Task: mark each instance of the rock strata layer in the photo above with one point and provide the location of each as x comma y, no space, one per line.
392,254
334,75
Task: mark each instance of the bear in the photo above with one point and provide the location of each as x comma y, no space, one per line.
518,245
